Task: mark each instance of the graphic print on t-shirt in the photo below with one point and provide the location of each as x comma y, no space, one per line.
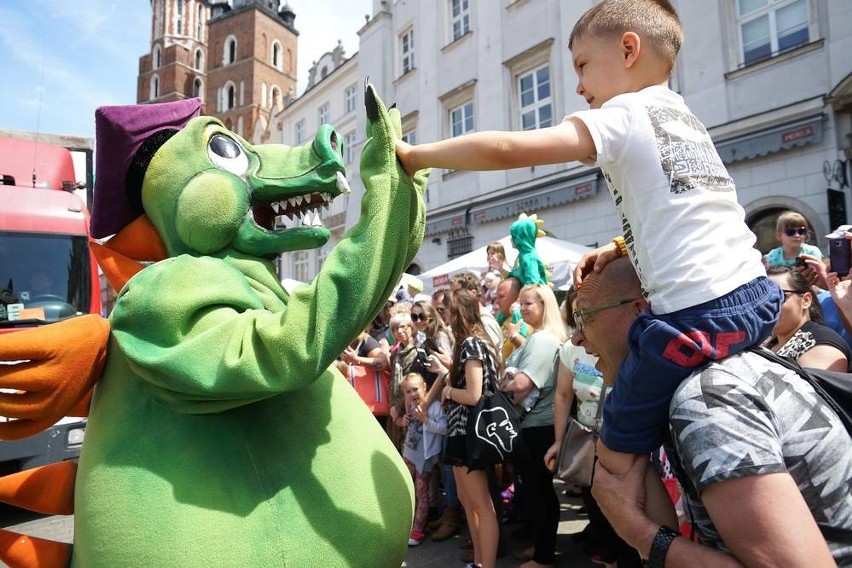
687,155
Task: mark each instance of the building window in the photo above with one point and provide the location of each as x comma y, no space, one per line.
460,17
276,100
349,148
322,115
199,59
154,88
300,266
230,55
410,137
350,98
407,51
199,22
770,27
461,119
179,27
459,242
300,132
276,55
230,96
534,99
197,88
158,57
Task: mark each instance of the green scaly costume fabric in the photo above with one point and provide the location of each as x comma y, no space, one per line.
220,434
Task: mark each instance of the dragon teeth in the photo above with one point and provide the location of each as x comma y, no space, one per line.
342,184
275,206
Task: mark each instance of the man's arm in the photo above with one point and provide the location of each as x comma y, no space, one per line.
493,150
762,519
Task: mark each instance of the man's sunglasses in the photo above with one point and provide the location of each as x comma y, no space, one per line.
797,231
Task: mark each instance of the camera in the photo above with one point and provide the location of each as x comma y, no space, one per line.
840,250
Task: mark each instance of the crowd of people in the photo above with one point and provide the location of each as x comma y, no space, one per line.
666,327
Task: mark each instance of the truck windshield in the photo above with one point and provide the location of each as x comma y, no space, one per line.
43,278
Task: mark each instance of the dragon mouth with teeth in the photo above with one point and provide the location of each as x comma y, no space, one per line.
301,210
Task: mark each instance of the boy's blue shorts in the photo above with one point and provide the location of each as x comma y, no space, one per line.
665,349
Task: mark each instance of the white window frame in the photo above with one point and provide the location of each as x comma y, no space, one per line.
537,104
198,60
198,88
770,11
277,55
459,11
154,88
179,18
323,114
158,57
460,115
226,55
406,51
300,132
350,98
301,265
349,147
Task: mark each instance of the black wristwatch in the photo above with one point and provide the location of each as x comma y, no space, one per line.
660,547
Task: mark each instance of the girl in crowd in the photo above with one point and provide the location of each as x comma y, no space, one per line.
792,231
474,365
404,360
496,256
800,333
535,362
426,427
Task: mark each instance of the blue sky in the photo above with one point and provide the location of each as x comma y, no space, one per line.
62,59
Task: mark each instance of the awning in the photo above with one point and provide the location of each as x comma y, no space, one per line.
446,224
768,141
538,199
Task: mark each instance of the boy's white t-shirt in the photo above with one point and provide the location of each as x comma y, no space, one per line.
685,232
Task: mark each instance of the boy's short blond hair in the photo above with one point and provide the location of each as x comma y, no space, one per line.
654,21
790,220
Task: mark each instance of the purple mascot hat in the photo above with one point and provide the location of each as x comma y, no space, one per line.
119,132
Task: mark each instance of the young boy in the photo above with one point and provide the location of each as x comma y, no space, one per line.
791,230
683,228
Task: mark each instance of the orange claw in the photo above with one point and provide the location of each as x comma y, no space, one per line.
61,363
22,551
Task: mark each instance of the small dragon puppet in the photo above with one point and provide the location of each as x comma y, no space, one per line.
528,268
219,432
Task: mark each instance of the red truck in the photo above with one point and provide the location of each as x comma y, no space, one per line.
47,272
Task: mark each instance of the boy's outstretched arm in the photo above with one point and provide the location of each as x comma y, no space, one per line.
495,150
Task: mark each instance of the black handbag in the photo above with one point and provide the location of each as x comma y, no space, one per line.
494,431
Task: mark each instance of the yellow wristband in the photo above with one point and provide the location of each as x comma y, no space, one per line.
622,246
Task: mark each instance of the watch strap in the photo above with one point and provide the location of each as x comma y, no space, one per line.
660,546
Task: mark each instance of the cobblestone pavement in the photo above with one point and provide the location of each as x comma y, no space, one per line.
429,554
447,554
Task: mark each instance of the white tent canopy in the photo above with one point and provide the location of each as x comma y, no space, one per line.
561,256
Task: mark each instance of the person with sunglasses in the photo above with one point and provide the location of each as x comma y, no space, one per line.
800,333
792,231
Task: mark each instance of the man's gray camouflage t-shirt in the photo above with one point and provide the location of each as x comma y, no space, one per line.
747,416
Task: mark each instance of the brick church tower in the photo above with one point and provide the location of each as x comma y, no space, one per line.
239,56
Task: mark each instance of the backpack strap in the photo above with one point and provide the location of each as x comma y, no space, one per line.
836,393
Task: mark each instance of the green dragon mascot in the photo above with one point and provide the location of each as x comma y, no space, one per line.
220,433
